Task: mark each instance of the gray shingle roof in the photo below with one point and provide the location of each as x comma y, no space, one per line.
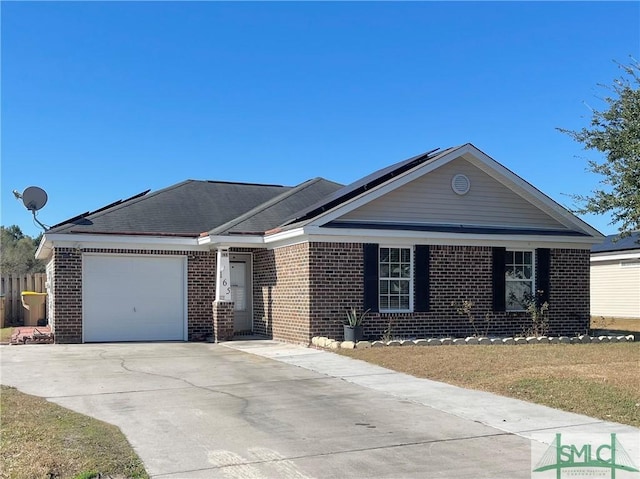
612,243
185,209
273,212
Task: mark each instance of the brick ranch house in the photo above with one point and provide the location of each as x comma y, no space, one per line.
205,259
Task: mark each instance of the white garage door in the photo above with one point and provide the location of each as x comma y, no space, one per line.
134,298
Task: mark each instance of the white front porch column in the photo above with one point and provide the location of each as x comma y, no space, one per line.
223,276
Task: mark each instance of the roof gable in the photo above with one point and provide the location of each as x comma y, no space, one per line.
412,181
431,199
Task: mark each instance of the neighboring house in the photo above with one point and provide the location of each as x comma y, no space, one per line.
202,259
615,277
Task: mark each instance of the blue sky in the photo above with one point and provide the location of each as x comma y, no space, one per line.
103,100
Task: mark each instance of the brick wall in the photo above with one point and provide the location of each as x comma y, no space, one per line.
335,281
223,318
304,290
281,293
336,276
201,292
67,270
569,308
67,290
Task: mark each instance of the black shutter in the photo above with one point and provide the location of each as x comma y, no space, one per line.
498,279
543,268
422,278
370,251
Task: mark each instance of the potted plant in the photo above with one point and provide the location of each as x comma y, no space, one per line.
353,327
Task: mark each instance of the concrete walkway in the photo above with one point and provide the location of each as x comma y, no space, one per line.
510,415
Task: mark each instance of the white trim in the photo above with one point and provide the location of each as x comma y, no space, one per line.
311,233
284,235
532,280
615,256
298,235
411,276
231,241
223,276
49,241
314,233
247,258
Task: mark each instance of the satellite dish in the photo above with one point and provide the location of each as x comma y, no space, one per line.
34,198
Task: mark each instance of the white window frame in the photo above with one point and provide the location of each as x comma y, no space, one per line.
532,280
409,280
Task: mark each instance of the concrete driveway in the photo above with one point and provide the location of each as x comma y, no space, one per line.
197,410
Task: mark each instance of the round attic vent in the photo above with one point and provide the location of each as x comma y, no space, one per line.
460,184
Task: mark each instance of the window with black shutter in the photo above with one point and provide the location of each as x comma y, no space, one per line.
498,279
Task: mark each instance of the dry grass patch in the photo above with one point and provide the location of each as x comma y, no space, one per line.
599,380
43,440
619,324
5,334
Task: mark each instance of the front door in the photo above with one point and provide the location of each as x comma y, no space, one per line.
240,265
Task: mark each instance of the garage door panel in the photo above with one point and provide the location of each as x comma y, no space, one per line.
133,298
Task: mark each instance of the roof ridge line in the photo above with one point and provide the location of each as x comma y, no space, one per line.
243,183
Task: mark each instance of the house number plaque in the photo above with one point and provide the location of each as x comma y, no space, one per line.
223,283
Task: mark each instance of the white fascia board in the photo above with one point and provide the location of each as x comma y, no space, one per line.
526,190
44,248
292,236
232,241
438,238
311,233
49,241
611,256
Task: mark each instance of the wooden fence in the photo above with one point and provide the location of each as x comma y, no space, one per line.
12,286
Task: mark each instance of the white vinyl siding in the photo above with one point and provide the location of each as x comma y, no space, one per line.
615,289
431,200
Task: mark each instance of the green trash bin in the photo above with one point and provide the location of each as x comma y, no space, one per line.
35,307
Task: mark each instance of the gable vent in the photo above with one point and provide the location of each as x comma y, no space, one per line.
460,184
